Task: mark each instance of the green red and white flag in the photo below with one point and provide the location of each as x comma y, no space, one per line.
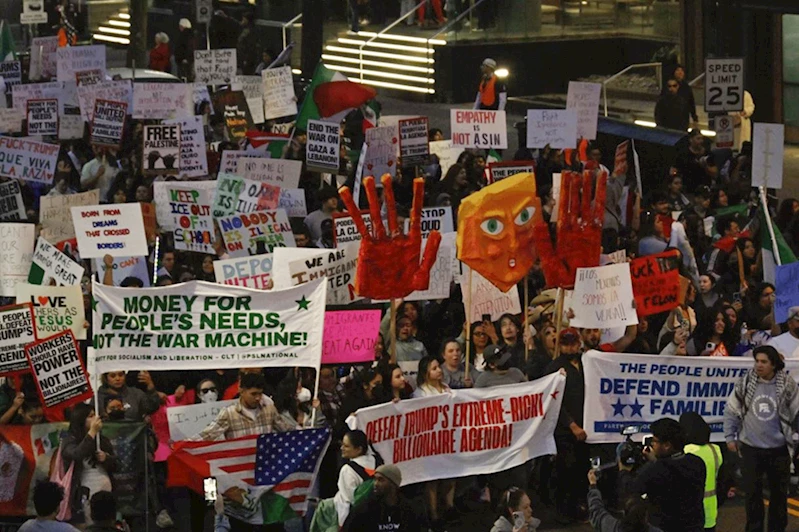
331,96
770,254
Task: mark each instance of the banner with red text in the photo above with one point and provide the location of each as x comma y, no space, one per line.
465,432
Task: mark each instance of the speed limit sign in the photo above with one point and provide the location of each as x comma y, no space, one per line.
724,85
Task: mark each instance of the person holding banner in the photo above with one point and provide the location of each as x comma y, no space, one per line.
760,420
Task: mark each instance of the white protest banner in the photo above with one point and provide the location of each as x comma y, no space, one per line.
501,170
282,173
236,194
583,98
161,149
108,122
43,58
29,160
344,230
55,308
11,120
623,389
20,94
72,59
556,128
337,266
56,217
292,200
11,204
447,154
322,148
434,219
278,92
215,67
193,158
465,432
252,272
256,233
49,264
767,155
42,117
124,267
208,326
414,141
188,421
479,129
162,100
116,230
603,297
381,153
184,209
488,299
16,322
11,72
60,376
16,254
724,85
114,91
725,132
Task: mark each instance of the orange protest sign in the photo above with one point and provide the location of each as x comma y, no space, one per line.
656,282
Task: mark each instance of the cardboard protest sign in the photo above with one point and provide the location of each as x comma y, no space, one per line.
256,108
344,230
29,160
337,266
16,331
56,217
381,153
556,128
256,233
442,436
282,173
479,129
188,421
55,308
251,86
11,72
278,92
43,58
42,117
322,148
208,326
124,267
161,149
49,264
292,200
116,230
350,336
73,59
215,67
434,219
59,373
11,120
447,154
108,123
189,215
16,254
501,170
11,204
252,271
488,299
165,207
233,106
193,159
162,100
112,91
603,297
414,141
584,99
786,280
656,282
89,77
236,194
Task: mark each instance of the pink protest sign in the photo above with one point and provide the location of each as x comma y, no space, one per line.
350,336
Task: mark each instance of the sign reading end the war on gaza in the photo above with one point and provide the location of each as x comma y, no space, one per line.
206,325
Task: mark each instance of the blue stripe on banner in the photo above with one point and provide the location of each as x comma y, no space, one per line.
615,427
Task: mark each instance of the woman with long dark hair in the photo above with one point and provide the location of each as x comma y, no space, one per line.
714,336
296,404
366,390
514,505
93,465
396,388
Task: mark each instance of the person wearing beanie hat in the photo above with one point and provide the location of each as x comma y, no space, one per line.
328,198
391,473
492,94
387,508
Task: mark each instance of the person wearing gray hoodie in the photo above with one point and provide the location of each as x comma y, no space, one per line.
515,501
635,518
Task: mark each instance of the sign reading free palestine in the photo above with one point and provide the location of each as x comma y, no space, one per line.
206,325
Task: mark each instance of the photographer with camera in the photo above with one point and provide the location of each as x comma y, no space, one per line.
673,481
635,516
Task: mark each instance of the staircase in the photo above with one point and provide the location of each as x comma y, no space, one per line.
109,22
388,60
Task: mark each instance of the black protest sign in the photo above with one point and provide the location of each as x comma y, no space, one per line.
233,106
108,122
58,371
11,205
16,331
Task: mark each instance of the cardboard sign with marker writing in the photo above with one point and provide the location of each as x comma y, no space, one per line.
350,336
56,217
603,297
55,308
234,194
28,160
51,265
656,282
253,272
256,233
11,205
16,254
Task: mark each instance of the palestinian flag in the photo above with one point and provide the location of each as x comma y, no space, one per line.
7,50
272,143
331,96
769,253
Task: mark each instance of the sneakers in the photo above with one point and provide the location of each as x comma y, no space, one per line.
163,520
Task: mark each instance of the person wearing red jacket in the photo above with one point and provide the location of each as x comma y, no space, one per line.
159,55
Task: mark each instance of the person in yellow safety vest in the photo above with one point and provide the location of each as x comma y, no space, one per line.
697,436
492,94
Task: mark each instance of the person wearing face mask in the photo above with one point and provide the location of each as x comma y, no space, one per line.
207,391
297,406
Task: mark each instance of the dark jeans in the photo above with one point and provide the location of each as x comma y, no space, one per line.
776,465
571,468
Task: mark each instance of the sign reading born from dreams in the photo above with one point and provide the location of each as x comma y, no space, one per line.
58,371
208,326
16,331
116,230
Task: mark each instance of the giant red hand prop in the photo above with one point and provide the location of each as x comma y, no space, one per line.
579,229
388,264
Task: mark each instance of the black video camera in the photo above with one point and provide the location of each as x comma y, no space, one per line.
630,453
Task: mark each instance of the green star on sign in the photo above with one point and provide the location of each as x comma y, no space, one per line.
302,303
94,303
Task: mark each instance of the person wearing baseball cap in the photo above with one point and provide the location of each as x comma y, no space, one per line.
499,369
492,94
787,344
386,509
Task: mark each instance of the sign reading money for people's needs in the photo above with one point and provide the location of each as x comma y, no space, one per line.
116,230
16,331
59,373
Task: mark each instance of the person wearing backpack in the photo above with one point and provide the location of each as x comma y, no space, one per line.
355,483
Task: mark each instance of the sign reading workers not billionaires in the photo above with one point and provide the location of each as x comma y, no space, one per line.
206,325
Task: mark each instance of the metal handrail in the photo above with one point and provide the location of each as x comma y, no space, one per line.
381,32
696,79
291,23
658,68
453,22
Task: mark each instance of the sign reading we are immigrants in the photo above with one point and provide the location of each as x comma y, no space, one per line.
208,325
